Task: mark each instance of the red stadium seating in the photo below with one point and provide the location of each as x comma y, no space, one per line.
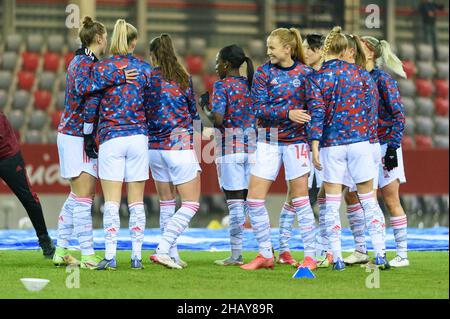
441,106
441,88
194,64
423,142
51,62
407,143
30,61
42,100
208,82
424,88
25,80
67,58
56,117
410,68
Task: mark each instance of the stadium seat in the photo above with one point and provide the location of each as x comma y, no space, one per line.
424,88
408,143
33,137
410,126
407,88
441,88
443,53
25,80
52,137
180,46
424,125
55,43
442,70
441,126
21,99
47,81
194,64
55,119
197,46
410,68
67,58
441,141
256,49
51,62
73,44
5,80
208,81
3,99
441,106
62,82
409,105
38,119
42,99
425,70
424,107
407,51
35,42
424,52
17,119
8,61
13,42
423,142
30,61
60,98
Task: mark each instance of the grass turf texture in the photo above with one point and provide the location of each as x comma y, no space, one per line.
427,277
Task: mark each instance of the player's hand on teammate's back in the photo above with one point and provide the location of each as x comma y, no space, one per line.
90,147
204,100
390,159
130,75
299,116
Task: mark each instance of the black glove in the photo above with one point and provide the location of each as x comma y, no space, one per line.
90,147
204,100
390,159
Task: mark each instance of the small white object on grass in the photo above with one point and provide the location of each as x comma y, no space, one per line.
34,284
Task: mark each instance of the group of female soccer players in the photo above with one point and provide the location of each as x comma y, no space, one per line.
323,108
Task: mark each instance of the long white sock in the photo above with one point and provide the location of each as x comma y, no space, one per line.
237,220
176,225
111,226
287,217
333,225
167,210
65,222
307,224
399,225
355,214
259,218
373,223
82,225
137,228
322,244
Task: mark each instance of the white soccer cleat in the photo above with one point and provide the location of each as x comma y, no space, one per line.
165,260
356,258
399,262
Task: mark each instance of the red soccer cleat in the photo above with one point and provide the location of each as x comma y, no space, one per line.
259,262
308,262
286,258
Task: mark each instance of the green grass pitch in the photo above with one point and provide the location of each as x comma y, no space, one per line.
427,277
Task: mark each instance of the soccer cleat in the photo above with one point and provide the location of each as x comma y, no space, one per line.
309,262
382,263
230,261
89,262
286,258
339,265
356,257
399,262
165,260
48,248
107,264
258,263
136,264
180,262
62,258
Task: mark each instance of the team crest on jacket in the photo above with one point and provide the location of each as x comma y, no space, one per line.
296,83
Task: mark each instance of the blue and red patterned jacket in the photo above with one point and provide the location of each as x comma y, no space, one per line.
122,109
231,98
171,114
343,100
276,91
391,114
80,82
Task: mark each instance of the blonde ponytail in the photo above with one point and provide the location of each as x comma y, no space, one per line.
292,38
335,43
298,53
122,36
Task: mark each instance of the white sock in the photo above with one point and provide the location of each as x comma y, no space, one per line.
259,218
355,214
373,223
237,220
65,222
167,210
322,245
399,225
307,225
111,226
287,217
82,225
333,225
137,228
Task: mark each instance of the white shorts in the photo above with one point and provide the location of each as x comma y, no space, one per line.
72,158
233,171
175,166
268,160
376,148
357,158
386,177
315,173
124,159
